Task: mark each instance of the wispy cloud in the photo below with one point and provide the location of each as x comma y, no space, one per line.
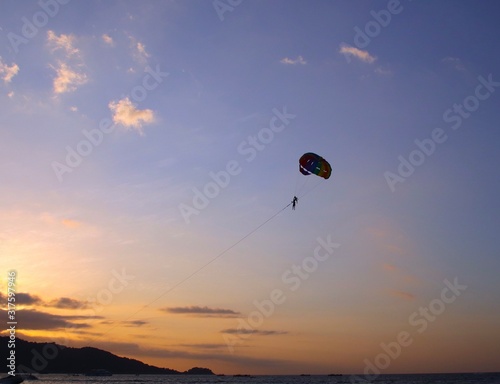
63,42
399,277
389,267
108,39
139,52
383,71
299,60
205,346
70,223
400,274
357,53
202,311
261,332
127,114
388,239
402,295
67,303
8,72
135,323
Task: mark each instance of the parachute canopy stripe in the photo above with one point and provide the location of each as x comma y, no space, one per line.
311,163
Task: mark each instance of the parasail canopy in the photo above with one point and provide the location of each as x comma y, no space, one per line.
311,163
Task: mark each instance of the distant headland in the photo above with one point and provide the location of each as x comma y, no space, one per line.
31,357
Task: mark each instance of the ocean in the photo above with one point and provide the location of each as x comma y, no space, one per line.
468,378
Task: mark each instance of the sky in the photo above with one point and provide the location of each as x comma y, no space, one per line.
150,153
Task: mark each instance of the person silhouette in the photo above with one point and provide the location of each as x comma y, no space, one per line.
294,202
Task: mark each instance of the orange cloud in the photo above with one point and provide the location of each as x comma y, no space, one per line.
403,295
64,42
70,223
127,114
364,56
67,79
6,72
399,273
389,267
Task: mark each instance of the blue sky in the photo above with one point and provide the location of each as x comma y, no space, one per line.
151,98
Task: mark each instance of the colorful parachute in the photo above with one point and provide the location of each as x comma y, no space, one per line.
315,164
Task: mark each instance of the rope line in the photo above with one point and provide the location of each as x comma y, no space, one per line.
310,190
204,265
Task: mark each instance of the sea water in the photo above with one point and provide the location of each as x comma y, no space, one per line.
468,378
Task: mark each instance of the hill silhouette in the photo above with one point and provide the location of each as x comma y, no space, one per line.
34,357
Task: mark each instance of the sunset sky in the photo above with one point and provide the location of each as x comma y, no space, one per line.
149,147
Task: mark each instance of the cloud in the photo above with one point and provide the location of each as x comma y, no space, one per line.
397,272
349,51
108,39
389,267
202,311
389,239
126,114
70,223
299,60
383,71
63,42
139,52
135,323
68,70
67,303
28,300
403,295
24,299
237,331
6,72
35,320
67,80
206,346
